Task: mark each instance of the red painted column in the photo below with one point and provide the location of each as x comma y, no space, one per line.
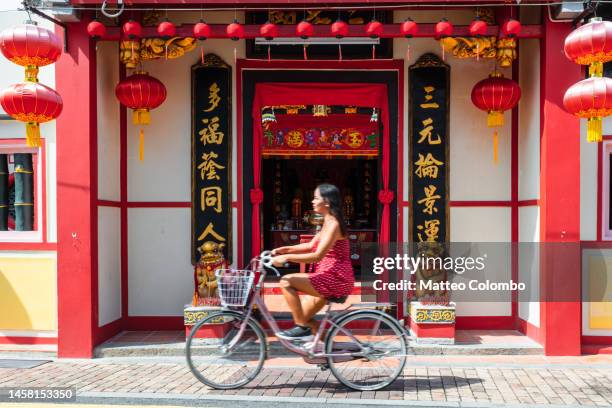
75,76
560,269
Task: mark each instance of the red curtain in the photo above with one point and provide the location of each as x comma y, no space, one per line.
320,93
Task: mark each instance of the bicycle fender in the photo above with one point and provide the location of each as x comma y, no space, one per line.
343,316
239,315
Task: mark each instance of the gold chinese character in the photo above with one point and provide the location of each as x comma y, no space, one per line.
426,133
208,168
210,197
427,166
211,133
430,199
213,97
210,231
428,104
431,230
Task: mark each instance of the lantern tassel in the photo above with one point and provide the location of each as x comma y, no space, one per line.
141,117
202,53
141,145
495,147
373,51
268,52
408,52
305,53
495,119
33,134
594,130
339,52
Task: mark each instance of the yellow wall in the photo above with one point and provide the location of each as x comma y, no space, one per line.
28,292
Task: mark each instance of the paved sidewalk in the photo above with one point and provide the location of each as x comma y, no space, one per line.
427,380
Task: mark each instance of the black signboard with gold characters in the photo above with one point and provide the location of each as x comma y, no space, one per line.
211,168
429,80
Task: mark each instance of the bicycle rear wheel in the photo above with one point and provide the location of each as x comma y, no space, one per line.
379,346
227,357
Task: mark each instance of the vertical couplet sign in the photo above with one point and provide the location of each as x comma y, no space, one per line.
429,168
211,170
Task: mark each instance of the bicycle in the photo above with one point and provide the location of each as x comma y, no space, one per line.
364,348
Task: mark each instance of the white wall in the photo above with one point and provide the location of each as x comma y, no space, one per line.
160,278
529,176
109,265
109,183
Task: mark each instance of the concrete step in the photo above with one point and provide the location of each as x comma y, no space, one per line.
275,349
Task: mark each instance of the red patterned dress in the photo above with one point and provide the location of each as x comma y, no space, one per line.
333,276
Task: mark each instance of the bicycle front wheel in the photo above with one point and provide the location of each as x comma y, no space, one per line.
378,349
225,351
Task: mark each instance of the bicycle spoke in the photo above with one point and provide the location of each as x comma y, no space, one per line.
384,355
231,361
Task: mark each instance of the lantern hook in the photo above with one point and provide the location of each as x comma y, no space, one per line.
115,14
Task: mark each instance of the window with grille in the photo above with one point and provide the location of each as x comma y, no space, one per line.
17,192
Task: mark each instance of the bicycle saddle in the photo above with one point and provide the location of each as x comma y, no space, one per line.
337,299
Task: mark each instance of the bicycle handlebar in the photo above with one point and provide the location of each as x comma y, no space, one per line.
266,260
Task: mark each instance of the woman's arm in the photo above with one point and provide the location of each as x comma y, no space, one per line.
327,238
295,249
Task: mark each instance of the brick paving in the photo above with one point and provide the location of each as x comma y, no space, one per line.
512,380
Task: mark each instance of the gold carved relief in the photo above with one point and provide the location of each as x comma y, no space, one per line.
132,52
504,50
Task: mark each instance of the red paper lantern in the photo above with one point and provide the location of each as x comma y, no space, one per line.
166,29
304,29
339,29
478,28
96,29
374,29
409,28
443,29
30,46
269,31
235,31
590,98
495,95
590,44
132,29
33,103
141,92
201,30
511,28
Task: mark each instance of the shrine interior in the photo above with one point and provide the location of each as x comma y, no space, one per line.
302,150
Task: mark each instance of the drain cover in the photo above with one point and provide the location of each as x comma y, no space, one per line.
13,363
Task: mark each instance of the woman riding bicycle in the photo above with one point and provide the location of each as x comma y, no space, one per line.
333,275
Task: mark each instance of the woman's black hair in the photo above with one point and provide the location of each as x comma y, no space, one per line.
331,195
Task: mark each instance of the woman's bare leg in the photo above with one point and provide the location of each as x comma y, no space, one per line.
290,285
310,308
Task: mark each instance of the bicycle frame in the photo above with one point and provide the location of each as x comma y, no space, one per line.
256,300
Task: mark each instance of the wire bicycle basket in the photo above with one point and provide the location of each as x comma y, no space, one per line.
234,286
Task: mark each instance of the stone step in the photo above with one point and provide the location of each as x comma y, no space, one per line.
275,349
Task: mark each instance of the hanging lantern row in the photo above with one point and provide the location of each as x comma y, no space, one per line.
305,29
590,44
31,47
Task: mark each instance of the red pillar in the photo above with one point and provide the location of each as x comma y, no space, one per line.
75,76
560,320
